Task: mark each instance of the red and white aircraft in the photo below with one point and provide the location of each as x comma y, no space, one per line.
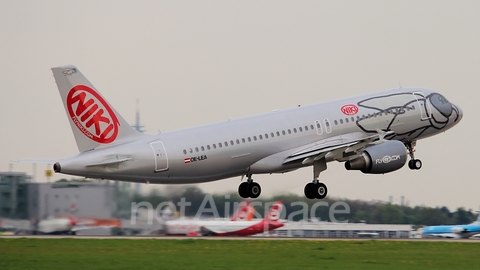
71,225
237,226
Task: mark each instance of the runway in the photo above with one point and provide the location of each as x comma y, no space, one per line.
161,237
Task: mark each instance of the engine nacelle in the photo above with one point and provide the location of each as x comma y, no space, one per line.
381,158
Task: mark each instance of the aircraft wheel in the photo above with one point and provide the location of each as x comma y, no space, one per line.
243,190
254,190
320,190
309,191
415,164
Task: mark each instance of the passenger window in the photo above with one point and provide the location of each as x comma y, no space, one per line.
346,120
226,144
311,127
231,143
196,149
289,131
203,148
300,129
238,141
184,151
278,133
249,139
214,146
335,122
328,128
260,137
295,130
341,121
191,150
283,132
243,140
254,138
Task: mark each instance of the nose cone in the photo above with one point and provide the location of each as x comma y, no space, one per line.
459,113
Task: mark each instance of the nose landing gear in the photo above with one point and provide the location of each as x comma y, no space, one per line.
413,164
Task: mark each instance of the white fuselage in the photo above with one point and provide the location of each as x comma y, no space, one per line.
261,143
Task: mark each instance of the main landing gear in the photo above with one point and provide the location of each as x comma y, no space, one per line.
249,189
313,190
413,164
316,189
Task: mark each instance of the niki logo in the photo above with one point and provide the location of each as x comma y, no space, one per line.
92,115
349,109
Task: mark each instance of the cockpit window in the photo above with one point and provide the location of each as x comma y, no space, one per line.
442,105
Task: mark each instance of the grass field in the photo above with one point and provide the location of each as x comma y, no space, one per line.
71,253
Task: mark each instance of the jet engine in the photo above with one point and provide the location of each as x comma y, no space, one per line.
381,158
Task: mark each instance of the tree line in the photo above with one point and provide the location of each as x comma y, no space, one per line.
359,211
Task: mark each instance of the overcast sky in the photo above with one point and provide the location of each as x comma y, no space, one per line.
197,62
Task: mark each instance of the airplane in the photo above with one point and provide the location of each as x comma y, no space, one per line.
373,133
198,227
70,225
453,231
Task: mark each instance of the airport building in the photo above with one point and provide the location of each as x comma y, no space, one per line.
13,195
24,202
344,230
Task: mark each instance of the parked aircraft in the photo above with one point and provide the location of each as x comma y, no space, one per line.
453,231
195,227
71,224
373,133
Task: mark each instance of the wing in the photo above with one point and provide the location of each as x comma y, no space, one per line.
340,148
335,148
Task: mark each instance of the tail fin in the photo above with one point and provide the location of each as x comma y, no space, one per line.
245,212
275,212
93,120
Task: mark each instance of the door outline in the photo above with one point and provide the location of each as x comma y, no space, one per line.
425,111
161,157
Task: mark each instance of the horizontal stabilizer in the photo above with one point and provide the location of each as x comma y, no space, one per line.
110,161
37,160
